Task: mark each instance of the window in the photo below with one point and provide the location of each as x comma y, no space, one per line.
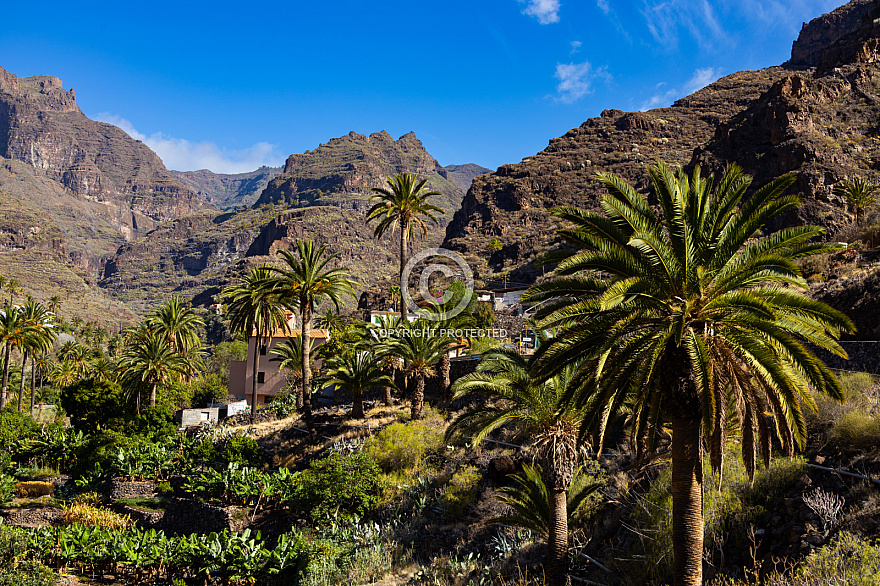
261,377
263,349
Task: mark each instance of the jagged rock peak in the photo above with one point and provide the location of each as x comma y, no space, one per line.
844,25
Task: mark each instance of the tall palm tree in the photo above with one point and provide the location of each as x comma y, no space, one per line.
356,372
54,304
39,339
401,206
13,332
149,359
419,351
858,194
306,280
255,310
677,310
545,417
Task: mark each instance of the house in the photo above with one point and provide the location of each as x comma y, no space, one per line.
270,379
508,298
376,316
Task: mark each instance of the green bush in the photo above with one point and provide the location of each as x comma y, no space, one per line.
16,427
244,450
461,490
402,446
347,485
91,404
204,451
210,388
15,569
7,489
855,431
848,557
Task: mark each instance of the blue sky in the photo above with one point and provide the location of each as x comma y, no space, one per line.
232,86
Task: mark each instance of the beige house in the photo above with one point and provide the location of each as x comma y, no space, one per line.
270,379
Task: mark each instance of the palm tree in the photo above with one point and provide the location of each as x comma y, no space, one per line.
13,332
306,280
54,304
675,311
419,351
289,355
63,374
356,372
858,194
255,310
401,206
179,324
13,287
544,415
149,359
39,339
330,320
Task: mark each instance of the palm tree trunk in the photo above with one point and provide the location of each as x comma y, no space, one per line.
418,397
33,385
306,315
444,367
23,378
400,274
256,371
357,410
153,388
687,502
557,541
387,399
5,376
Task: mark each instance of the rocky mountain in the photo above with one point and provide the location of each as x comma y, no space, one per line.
464,175
320,195
348,167
816,115
228,191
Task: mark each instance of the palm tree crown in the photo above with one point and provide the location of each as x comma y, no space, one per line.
401,206
356,372
678,311
858,194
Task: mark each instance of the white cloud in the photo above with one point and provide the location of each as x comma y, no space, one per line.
575,47
700,79
183,155
604,6
546,11
576,80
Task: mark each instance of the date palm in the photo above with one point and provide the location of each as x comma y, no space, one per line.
40,336
14,330
419,350
289,356
858,194
545,418
675,311
179,323
255,309
402,206
356,372
149,359
306,280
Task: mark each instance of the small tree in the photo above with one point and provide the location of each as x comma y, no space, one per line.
858,194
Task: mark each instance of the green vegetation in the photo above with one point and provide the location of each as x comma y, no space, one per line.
405,446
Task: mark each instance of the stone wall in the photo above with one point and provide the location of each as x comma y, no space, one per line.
193,516
33,517
115,489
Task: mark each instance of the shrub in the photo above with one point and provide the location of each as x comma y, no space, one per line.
15,570
15,427
85,514
244,450
403,446
204,451
211,388
92,403
461,490
35,488
855,431
7,489
344,484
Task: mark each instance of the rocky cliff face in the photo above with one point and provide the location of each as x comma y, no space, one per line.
228,191
41,124
503,220
350,166
818,116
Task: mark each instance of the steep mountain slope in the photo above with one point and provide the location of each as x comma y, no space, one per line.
321,195
817,115
503,220
349,166
41,125
464,175
228,191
